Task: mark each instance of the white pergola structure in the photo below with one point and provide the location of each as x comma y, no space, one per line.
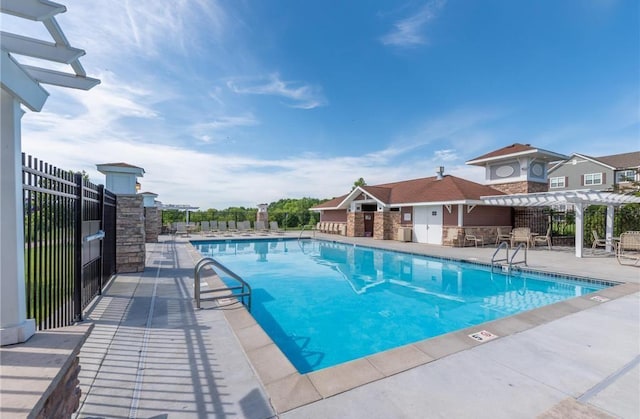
21,86
579,199
179,207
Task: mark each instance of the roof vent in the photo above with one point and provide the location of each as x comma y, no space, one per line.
440,172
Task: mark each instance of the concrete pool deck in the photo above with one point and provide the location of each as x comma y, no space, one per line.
152,354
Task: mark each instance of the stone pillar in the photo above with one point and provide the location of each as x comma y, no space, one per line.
263,214
355,224
152,224
14,325
130,234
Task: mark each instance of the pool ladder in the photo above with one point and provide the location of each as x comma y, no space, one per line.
509,267
244,287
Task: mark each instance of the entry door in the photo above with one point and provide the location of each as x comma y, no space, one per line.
427,224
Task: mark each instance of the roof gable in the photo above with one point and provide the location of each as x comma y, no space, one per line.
515,150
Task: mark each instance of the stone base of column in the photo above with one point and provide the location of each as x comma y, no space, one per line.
17,334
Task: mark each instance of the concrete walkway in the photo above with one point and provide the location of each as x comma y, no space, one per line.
151,354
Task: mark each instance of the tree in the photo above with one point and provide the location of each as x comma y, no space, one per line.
359,182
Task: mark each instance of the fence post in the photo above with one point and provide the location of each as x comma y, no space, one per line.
101,204
77,283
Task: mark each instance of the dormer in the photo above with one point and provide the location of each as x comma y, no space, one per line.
517,168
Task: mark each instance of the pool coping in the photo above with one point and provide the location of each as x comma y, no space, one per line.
288,389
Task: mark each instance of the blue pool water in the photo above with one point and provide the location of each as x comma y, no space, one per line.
324,303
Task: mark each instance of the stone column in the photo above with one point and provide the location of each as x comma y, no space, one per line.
14,325
152,224
130,234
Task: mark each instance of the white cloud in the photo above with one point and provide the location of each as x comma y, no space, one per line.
219,127
302,96
409,32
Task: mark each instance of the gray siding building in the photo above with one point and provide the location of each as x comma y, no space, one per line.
606,173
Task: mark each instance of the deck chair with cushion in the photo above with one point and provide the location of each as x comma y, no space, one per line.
597,240
542,239
521,235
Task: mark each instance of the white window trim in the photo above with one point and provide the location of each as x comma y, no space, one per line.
557,179
626,174
593,180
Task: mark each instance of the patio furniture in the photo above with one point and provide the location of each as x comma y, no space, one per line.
597,240
521,235
182,229
628,248
502,236
469,235
542,239
273,228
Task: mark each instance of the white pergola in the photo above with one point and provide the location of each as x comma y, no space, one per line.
21,86
179,207
579,199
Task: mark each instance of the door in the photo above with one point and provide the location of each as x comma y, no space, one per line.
368,224
427,224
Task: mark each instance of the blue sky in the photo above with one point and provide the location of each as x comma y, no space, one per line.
229,103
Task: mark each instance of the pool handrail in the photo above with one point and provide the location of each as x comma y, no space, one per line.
305,226
504,245
244,287
511,262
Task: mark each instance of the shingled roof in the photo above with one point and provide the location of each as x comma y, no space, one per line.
450,189
621,161
516,149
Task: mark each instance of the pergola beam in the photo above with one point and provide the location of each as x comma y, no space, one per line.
36,48
37,10
61,79
21,85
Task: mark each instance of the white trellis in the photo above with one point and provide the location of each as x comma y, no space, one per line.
21,86
579,199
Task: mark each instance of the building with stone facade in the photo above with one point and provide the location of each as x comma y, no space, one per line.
442,209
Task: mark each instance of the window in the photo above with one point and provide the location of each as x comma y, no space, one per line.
557,182
625,176
593,179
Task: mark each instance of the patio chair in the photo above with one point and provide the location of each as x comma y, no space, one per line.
597,240
521,235
205,227
542,239
261,228
502,236
231,226
181,228
628,248
469,235
273,228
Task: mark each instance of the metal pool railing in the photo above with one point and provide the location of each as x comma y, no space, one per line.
244,287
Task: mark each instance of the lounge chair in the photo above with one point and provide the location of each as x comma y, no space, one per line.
181,229
628,248
597,240
502,236
261,228
205,227
273,228
231,226
213,228
222,228
542,239
521,235
244,228
469,235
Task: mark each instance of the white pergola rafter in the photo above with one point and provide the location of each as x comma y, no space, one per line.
579,199
21,86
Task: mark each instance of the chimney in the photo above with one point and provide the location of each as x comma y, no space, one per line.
440,172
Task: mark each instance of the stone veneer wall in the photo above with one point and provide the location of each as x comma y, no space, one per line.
152,224
262,216
130,234
521,187
355,224
385,225
65,399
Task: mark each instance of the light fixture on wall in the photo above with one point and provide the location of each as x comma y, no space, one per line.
138,186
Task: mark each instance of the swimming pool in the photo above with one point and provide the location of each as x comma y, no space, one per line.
324,303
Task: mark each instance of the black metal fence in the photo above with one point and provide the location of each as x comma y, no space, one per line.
66,260
563,222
